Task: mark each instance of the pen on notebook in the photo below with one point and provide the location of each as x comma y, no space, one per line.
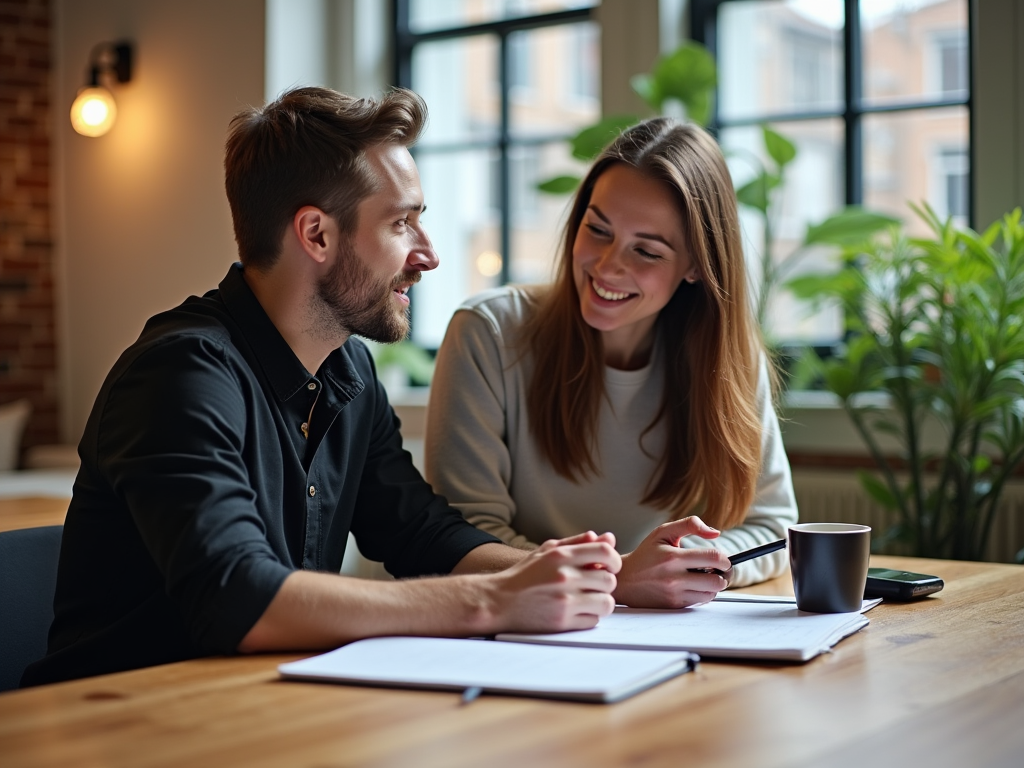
469,694
750,554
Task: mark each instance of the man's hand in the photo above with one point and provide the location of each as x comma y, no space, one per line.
657,573
564,584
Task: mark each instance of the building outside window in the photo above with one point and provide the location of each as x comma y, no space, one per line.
951,61
873,93
506,83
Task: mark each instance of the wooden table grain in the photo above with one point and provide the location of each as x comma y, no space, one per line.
938,682
32,512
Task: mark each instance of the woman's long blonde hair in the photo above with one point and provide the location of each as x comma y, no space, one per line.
710,342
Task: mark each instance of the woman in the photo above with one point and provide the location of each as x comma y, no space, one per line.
630,394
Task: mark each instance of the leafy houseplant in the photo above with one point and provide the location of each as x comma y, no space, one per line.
937,324
686,76
402,363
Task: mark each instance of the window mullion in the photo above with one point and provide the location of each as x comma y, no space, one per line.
402,61
852,117
504,182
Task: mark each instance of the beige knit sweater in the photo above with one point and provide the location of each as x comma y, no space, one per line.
481,456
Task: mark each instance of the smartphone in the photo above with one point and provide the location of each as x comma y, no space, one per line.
900,585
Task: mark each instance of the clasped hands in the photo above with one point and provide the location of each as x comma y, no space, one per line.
571,583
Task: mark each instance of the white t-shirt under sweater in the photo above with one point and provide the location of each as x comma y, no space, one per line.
481,456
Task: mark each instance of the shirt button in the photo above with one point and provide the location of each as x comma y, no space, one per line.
311,386
312,490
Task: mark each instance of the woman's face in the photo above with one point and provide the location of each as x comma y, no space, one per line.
629,257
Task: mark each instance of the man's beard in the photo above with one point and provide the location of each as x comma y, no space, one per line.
358,303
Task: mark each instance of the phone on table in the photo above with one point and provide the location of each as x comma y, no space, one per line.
900,585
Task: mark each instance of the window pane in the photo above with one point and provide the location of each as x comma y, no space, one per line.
915,156
425,15
460,191
914,49
537,218
553,77
779,57
459,80
812,190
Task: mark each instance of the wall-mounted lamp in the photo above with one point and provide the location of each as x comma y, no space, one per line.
94,109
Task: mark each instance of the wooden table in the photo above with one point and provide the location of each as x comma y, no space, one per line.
935,683
32,512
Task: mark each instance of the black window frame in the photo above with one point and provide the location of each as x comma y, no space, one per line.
406,40
704,29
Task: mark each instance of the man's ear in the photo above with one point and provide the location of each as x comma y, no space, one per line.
316,232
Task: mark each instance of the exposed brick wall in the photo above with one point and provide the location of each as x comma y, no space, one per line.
28,360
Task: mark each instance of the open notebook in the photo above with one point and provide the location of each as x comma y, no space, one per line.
627,652
758,628
580,674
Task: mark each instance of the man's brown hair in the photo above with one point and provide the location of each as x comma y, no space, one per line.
307,148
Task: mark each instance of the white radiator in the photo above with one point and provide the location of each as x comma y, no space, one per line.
828,496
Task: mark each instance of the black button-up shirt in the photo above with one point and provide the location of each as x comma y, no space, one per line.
200,491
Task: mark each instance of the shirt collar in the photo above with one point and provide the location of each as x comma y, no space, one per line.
285,372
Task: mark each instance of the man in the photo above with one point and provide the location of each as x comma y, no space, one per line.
236,444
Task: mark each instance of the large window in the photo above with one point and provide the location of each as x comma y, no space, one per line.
506,81
875,96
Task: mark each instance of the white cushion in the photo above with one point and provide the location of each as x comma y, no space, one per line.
13,417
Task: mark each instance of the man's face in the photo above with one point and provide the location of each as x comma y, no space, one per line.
365,290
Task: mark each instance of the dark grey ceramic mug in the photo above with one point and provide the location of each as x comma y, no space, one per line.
829,563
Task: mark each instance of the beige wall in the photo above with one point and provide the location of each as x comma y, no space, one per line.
142,220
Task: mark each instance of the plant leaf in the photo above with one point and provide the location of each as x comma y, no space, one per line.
781,149
878,490
851,226
559,185
588,143
688,74
646,87
840,379
755,193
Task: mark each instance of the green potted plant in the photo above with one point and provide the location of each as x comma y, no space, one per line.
687,77
401,364
937,325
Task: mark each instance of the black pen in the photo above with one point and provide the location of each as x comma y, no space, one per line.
764,549
749,554
469,694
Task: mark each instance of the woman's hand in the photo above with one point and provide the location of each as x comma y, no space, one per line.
657,573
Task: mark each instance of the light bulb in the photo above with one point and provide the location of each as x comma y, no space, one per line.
488,263
93,112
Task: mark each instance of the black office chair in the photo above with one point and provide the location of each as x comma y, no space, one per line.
28,578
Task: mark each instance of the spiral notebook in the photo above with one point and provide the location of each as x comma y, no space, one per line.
580,674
